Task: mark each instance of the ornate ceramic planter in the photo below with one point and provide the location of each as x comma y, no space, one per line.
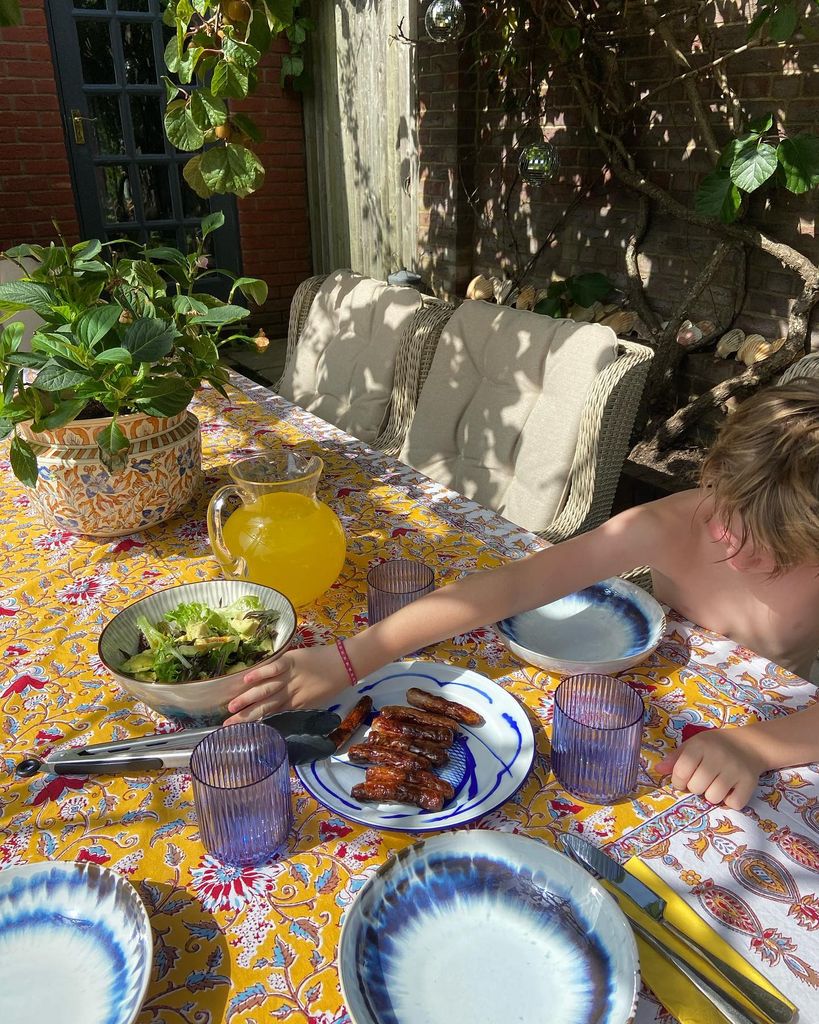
76,492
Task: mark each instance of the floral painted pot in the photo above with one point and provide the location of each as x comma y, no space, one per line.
77,493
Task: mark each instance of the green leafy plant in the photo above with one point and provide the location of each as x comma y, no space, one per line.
10,12
215,53
757,157
579,290
123,332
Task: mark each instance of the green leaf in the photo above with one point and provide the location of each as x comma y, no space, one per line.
188,62
192,173
149,340
754,163
799,159
164,397
184,304
64,413
92,326
231,168
220,315
230,80
11,336
10,382
114,355
212,223
758,21
168,254
30,360
6,427
172,90
281,10
180,127
54,377
172,54
207,109
242,54
113,447
759,126
247,127
782,23
718,197
16,295
49,343
10,12
548,307
252,288
292,66
586,289
23,461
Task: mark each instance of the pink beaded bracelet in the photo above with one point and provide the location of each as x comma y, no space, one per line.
345,657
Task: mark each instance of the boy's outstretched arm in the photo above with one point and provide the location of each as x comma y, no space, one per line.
307,677
724,765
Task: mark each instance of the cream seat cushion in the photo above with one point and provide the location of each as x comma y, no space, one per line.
498,417
343,366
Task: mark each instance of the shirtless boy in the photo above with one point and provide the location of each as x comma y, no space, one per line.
739,555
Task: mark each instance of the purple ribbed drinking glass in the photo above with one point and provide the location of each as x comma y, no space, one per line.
394,584
241,788
596,735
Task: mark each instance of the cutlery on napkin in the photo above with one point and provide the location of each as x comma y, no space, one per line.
722,978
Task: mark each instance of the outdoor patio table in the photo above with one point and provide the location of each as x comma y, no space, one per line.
256,944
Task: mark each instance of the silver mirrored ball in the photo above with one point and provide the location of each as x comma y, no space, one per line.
445,20
538,163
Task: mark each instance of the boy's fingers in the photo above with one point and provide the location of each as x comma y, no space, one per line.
275,668
256,711
666,766
718,790
255,696
701,779
740,795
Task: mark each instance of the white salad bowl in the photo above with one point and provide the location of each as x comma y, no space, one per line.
199,702
608,627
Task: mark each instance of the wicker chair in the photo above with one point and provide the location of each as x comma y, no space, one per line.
415,352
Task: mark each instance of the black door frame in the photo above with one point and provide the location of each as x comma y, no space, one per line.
61,16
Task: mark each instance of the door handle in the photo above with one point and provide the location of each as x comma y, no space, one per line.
78,126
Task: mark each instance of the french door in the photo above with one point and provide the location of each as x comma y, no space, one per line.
108,57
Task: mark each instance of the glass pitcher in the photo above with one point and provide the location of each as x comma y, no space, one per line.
281,535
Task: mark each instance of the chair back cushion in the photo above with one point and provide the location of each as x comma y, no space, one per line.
343,366
499,414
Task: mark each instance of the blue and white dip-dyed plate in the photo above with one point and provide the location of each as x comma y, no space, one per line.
483,927
75,945
487,763
608,627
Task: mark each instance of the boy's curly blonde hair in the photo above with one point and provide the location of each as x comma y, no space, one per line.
763,472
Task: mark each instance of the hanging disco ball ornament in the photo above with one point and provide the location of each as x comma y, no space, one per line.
538,163
445,20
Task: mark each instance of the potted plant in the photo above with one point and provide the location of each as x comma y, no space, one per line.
97,406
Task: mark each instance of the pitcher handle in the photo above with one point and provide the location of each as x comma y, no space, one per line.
233,565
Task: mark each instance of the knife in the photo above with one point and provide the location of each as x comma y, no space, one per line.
304,732
604,866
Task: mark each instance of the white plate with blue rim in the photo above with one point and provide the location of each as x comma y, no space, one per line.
480,927
75,945
608,627
487,763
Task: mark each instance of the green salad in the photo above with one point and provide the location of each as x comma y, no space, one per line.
197,642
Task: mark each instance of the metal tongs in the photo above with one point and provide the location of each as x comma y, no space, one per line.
305,732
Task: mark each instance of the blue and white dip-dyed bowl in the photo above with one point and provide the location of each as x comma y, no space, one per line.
482,927
75,945
608,627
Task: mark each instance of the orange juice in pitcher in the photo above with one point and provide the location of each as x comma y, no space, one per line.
281,535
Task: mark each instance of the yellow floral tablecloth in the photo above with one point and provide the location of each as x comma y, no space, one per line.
251,945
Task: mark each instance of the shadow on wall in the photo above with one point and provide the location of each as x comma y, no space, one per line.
512,219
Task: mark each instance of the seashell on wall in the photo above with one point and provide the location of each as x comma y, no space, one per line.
526,298
749,347
706,326
621,322
481,287
760,350
502,289
730,342
688,333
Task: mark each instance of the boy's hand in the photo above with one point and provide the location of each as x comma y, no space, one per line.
718,764
298,679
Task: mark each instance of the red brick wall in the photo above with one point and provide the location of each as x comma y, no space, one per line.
35,183
273,222
594,235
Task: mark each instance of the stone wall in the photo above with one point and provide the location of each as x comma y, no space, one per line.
469,144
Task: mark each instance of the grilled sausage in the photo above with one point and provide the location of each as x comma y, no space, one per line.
375,753
427,800
414,730
356,717
387,774
408,714
433,753
440,706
